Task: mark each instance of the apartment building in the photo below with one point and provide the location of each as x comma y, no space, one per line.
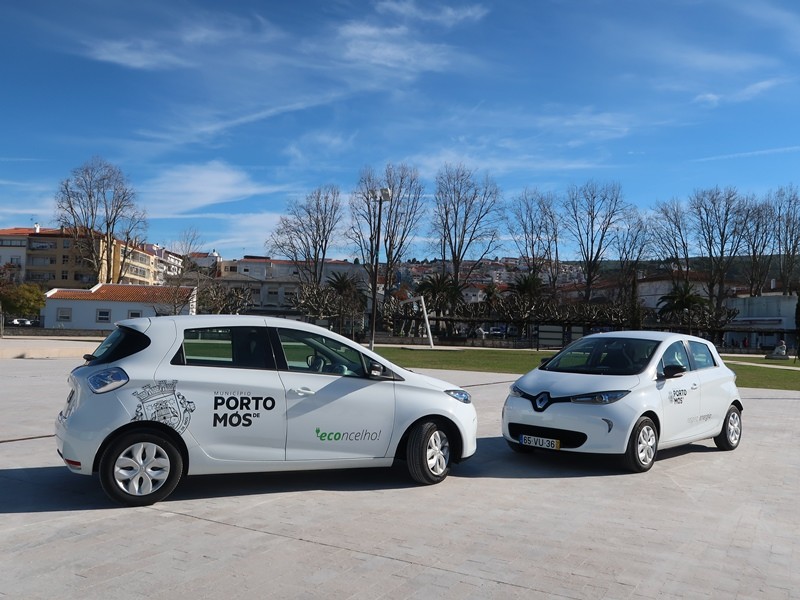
48,257
45,256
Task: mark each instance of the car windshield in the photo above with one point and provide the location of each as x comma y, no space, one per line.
604,356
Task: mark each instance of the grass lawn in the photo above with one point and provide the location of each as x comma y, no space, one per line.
755,374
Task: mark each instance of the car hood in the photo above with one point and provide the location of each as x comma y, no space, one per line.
419,379
570,384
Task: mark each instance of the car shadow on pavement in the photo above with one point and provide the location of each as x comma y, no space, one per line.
48,489
336,480
494,459
55,489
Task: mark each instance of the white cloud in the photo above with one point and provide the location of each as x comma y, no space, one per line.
136,54
447,16
183,189
745,94
754,153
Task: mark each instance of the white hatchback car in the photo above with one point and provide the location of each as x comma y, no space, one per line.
628,393
169,396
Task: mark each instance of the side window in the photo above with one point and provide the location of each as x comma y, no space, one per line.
701,353
233,347
312,353
676,355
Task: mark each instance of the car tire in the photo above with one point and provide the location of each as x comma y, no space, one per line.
140,468
521,448
428,453
642,446
731,434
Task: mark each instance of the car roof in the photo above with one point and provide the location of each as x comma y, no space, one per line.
191,321
659,336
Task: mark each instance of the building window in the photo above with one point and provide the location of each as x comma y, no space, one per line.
134,314
103,315
64,275
65,259
64,315
66,243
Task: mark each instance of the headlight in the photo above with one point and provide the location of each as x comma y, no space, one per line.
459,395
107,380
600,397
515,391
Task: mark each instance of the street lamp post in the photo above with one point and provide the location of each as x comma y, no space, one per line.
385,196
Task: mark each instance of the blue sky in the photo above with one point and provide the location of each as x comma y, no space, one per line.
219,113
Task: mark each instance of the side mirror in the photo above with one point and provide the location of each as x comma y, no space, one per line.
545,360
375,369
672,371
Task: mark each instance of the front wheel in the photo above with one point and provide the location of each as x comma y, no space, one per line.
140,468
731,434
428,453
642,446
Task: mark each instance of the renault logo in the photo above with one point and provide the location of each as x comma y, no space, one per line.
542,400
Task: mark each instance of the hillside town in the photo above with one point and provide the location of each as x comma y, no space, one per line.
150,280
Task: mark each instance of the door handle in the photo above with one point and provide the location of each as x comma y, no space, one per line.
303,391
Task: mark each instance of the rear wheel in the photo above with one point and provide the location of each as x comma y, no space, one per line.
642,446
731,434
428,453
140,468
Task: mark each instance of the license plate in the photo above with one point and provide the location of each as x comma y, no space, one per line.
539,442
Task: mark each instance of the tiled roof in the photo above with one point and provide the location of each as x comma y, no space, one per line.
29,231
113,292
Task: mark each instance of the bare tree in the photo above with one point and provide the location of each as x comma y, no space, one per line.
591,211
187,273
631,240
400,218
758,241
464,218
217,298
531,224
717,218
671,237
787,234
97,206
305,234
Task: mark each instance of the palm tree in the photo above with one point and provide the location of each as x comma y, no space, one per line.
681,304
442,295
350,298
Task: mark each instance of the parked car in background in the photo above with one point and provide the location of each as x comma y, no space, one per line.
169,396
628,393
21,322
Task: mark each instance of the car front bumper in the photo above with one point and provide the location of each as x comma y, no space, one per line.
603,429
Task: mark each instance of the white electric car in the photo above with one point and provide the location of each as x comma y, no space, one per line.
628,393
169,396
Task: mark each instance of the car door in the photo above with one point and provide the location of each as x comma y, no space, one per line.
334,410
716,383
228,378
680,395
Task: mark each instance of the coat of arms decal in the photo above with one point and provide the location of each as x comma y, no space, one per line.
161,402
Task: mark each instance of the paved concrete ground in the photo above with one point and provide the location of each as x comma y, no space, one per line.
700,524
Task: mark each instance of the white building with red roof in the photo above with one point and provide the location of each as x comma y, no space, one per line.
106,303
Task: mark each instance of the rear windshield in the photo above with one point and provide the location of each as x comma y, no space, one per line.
122,342
604,356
